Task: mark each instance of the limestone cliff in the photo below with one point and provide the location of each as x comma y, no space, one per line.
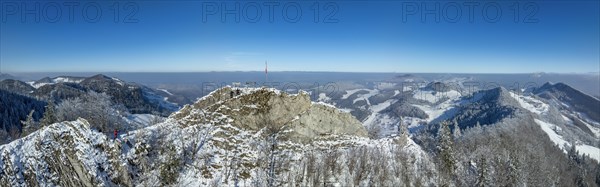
295,114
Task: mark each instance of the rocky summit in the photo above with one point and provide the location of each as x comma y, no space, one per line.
250,137
295,114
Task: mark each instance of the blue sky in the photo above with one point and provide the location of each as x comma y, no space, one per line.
361,36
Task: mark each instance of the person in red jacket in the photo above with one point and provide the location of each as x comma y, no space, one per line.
116,132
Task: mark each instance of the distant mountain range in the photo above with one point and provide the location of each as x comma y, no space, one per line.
19,98
137,98
570,99
425,106
380,133
6,76
247,134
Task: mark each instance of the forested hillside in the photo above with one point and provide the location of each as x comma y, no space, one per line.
15,108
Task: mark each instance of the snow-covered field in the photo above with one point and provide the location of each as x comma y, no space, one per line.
592,151
323,97
54,81
434,97
350,92
436,111
379,119
555,137
385,85
533,105
594,129
366,96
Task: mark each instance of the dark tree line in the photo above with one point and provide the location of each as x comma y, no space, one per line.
15,108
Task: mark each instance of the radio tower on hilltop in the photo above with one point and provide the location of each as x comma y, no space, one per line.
266,72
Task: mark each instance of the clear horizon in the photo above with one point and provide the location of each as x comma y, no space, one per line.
251,71
346,36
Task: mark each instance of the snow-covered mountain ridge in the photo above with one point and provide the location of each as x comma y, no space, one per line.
258,137
567,111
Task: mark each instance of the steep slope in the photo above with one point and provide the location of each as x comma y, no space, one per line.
566,115
14,108
485,107
221,141
136,98
60,91
16,86
570,99
256,109
64,154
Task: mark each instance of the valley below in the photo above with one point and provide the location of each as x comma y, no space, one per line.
368,130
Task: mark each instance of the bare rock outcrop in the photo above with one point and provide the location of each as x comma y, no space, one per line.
294,114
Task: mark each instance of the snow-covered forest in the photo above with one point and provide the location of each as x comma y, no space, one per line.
387,135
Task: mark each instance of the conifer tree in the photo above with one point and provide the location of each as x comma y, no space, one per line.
49,116
29,125
446,152
456,132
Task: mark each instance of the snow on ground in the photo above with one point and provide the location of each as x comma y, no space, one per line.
375,109
347,110
387,124
27,153
414,124
587,119
37,85
323,97
166,91
249,90
343,110
534,105
66,79
566,118
591,151
434,97
436,111
592,128
158,99
324,104
366,96
350,92
54,81
386,85
557,139
137,121
118,81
